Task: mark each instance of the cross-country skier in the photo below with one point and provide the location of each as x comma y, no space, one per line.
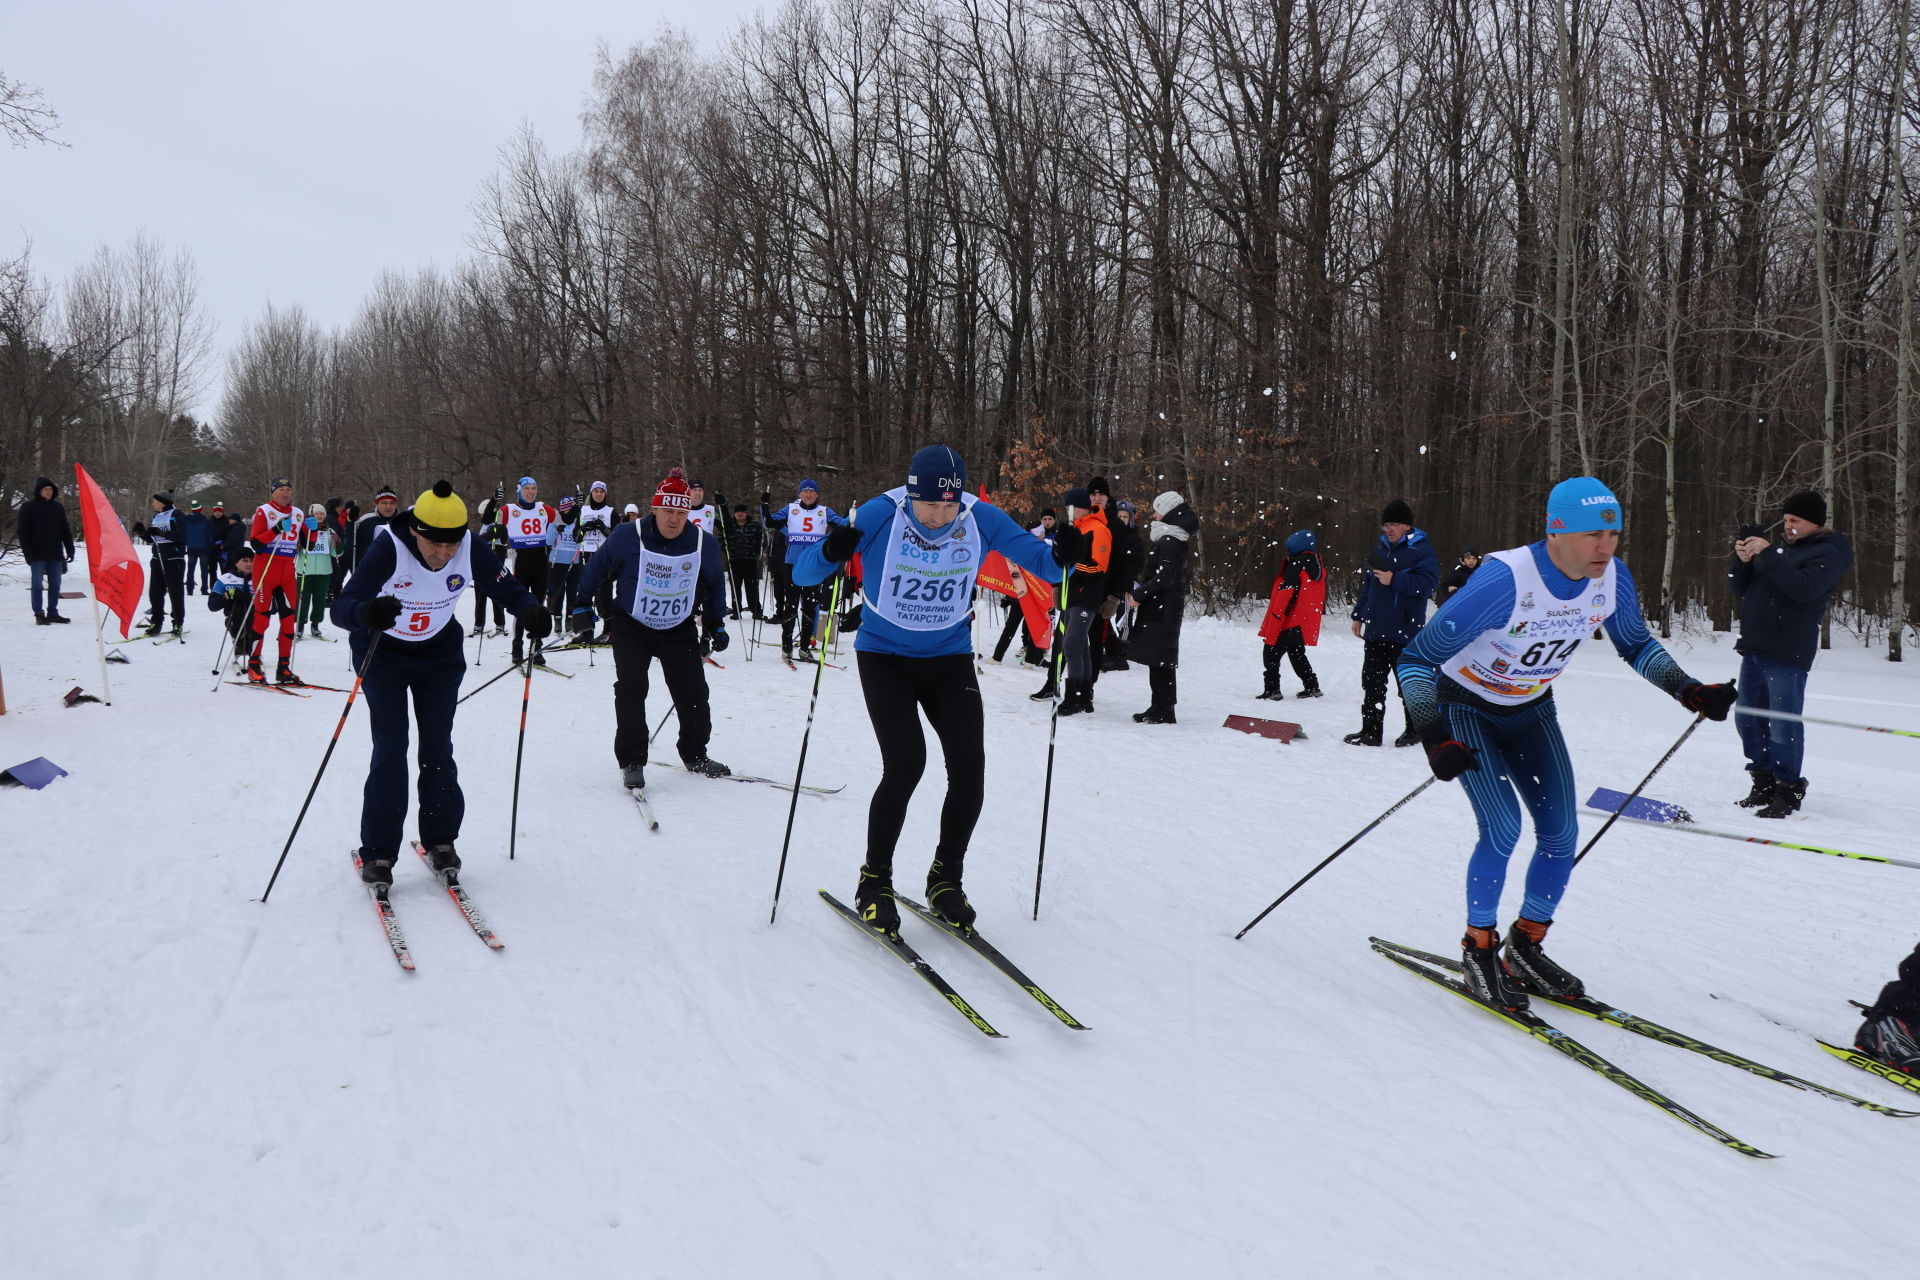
232,595
663,572
524,523
704,516
803,523
279,535
921,546
405,593
1477,686
166,531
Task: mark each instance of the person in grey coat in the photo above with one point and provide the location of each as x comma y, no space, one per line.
1159,600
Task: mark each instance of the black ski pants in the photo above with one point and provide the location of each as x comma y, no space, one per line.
1293,645
807,601
678,649
897,690
746,580
433,680
167,580
530,570
1374,670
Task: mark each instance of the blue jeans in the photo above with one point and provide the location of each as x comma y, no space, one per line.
47,572
1775,746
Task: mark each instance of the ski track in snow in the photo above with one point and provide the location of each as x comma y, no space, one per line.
651,1081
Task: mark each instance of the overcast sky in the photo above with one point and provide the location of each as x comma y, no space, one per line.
296,150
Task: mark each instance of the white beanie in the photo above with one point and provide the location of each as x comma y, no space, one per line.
1166,502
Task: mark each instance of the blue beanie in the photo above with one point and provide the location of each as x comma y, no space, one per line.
936,474
1582,505
1301,540
806,485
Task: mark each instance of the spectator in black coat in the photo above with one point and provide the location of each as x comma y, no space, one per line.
744,537
1160,603
1462,570
46,542
1783,593
1402,572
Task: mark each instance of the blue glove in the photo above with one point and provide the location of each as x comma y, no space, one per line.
718,639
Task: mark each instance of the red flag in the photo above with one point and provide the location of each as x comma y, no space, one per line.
997,575
118,579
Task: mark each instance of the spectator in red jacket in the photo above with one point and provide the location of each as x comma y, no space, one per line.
1293,617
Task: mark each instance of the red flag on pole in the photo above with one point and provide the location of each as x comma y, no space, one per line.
118,579
997,575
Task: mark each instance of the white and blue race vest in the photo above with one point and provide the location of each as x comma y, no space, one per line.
1514,666
922,583
526,526
663,592
428,597
807,525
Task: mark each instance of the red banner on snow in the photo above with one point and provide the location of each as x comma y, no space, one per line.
997,575
118,579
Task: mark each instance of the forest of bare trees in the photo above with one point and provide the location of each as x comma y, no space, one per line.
1292,257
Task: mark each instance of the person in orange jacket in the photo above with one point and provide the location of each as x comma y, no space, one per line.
1293,617
1089,543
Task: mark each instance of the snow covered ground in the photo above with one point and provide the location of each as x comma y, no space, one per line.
651,1081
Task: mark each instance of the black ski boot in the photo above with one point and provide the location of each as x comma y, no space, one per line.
945,898
375,869
444,861
283,674
1483,973
707,767
1891,1032
1762,793
874,901
1407,738
1785,799
1532,969
1362,739
1048,692
633,777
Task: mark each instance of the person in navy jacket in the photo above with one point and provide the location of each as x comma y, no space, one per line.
665,571
404,594
1402,571
802,523
920,548
1783,593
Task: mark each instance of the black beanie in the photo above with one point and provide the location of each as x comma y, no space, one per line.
1808,505
1099,485
1396,512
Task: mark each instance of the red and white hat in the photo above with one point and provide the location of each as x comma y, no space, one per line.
673,494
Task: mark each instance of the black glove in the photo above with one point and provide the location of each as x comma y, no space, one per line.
1710,700
581,621
499,494
1069,546
718,639
537,622
766,497
841,542
380,613
1447,757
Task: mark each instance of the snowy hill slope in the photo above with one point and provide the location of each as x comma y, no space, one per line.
651,1081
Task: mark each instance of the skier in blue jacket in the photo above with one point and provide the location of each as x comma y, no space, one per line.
803,523
920,547
1477,684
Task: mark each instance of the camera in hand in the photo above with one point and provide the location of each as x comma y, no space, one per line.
1750,531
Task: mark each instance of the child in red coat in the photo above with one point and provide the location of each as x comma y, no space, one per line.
1293,617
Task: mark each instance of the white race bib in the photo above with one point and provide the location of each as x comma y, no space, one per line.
663,596
925,583
428,597
1514,666
526,526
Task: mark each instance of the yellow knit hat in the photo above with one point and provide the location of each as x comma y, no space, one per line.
439,514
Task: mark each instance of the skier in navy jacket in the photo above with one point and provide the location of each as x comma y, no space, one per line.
404,594
920,547
664,570
1401,572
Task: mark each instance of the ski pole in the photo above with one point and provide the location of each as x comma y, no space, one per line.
663,722
519,752
220,656
509,671
319,773
1782,844
1053,734
1396,807
806,736
1739,710
1615,816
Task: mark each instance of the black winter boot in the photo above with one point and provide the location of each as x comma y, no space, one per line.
1079,698
1048,691
1763,785
1483,973
1891,1031
375,869
1530,967
1785,799
874,901
945,898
